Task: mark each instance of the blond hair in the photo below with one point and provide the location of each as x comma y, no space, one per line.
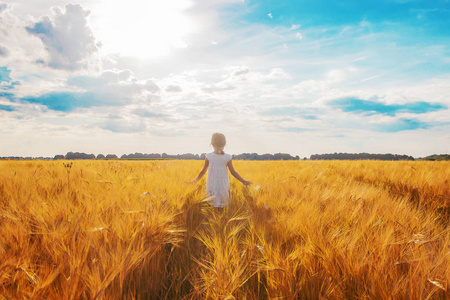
218,141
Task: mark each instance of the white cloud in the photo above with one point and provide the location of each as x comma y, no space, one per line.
173,88
68,38
270,15
122,126
238,71
299,35
3,7
110,88
39,8
278,73
336,76
364,23
17,46
4,51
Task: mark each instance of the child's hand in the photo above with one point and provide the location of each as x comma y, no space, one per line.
190,182
247,183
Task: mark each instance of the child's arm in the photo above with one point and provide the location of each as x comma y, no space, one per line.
202,172
236,174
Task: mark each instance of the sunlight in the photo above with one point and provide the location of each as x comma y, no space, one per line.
142,28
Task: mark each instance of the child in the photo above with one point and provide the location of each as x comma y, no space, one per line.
217,182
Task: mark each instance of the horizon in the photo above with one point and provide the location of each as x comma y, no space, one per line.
203,153
295,77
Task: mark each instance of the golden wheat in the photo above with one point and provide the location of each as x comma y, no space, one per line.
305,230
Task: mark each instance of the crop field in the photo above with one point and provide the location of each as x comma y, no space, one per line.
111,229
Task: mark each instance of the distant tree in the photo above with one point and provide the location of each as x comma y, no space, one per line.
111,156
138,155
188,156
359,156
59,156
266,156
78,155
437,157
100,156
154,155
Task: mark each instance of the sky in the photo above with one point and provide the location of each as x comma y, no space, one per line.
293,76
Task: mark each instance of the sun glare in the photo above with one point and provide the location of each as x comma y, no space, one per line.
142,28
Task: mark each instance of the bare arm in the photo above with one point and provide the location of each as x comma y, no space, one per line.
202,172
236,174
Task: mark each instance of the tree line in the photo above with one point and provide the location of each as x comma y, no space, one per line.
243,156
137,155
360,156
267,156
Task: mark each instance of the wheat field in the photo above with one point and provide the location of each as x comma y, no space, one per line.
111,229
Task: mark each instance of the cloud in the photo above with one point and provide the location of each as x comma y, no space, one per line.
296,129
4,51
270,15
291,111
145,113
172,88
110,88
299,35
403,125
67,38
218,88
241,71
238,81
368,107
3,7
278,74
122,126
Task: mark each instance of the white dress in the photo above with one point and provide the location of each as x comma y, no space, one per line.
218,183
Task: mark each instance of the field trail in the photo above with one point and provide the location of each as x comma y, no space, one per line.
111,229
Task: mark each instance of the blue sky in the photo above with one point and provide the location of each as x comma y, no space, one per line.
428,14
301,77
